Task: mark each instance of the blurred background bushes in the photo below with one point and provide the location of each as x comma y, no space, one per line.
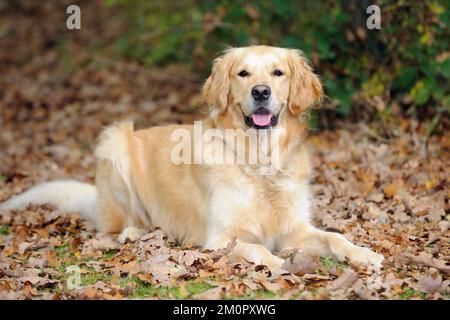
404,68
401,70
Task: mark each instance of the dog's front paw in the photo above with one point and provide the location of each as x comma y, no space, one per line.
275,265
131,234
365,257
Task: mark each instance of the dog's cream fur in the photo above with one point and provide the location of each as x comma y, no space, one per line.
138,186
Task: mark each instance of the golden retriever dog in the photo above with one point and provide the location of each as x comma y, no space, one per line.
259,89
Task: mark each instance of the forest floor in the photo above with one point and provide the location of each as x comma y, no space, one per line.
384,186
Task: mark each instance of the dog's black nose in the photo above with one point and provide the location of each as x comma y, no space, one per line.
260,93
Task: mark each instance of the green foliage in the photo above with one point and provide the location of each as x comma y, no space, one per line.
409,293
62,250
146,290
92,276
110,254
409,57
329,263
4,230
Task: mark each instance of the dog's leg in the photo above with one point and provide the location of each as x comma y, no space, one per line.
228,203
131,234
313,241
250,252
119,207
111,212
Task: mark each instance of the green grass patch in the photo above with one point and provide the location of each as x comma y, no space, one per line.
147,290
3,178
329,263
92,277
409,293
108,255
4,230
62,250
63,268
255,294
197,287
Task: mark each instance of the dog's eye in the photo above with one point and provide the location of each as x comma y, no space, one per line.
278,73
243,73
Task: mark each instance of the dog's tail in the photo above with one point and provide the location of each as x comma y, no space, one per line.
67,195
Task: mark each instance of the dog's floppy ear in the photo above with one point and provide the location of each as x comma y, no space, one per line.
305,86
217,86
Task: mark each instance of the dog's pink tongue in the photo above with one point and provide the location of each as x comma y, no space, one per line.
261,119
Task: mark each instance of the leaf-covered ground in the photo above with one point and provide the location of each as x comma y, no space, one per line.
383,186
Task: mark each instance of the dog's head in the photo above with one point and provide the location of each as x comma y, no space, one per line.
260,86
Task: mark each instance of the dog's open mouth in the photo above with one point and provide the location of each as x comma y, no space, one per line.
261,119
